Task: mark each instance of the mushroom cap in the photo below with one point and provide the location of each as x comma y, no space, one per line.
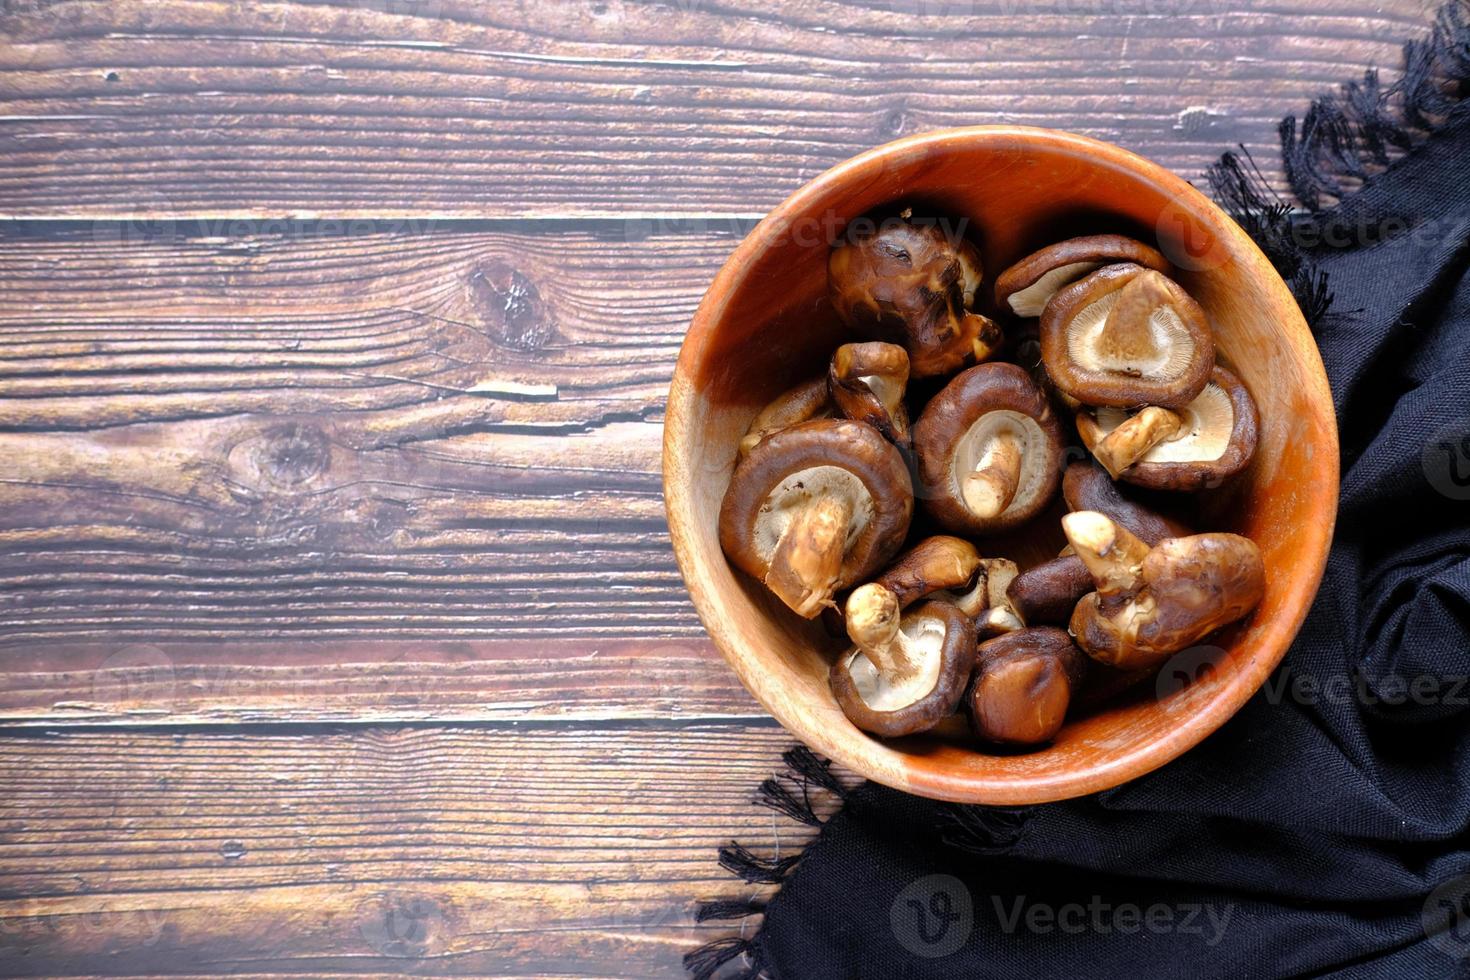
912,285
945,639
799,403
1023,685
1174,353
959,423
1087,486
1217,441
809,461
1047,593
1026,286
867,381
1188,588
934,564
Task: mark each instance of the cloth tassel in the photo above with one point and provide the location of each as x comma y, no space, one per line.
1349,136
788,792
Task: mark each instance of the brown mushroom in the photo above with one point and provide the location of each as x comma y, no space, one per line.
931,567
985,600
911,284
934,564
1153,602
815,508
1127,336
1026,287
1086,487
989,450
802,403
1215,438
907,671
1047,593
997,621
1024,682
987,589
867,382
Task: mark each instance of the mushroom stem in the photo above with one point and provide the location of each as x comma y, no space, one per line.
873,619
1127,335
1132,439
996,621
984,334
808,557
1111,552
993,577
867,382
989,490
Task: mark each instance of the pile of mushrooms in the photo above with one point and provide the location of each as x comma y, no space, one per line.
1115,355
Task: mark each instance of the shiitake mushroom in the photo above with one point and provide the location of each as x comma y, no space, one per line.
1151,603
799,403
1027,286
1047,593
989,451
815,508
1126,336
868,381
910,283
1023,685
1202,444
906,671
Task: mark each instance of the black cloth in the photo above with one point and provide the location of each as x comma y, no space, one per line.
1323,830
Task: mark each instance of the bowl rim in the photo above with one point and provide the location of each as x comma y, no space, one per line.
1011,789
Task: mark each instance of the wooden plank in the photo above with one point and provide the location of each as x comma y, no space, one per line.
481,852
256,439
367,682
244,479
454,108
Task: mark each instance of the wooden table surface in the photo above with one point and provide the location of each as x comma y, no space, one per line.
341,633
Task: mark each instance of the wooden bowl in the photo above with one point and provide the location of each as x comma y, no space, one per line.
765,324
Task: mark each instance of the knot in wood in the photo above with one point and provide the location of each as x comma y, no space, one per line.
291,454
509,306
893,123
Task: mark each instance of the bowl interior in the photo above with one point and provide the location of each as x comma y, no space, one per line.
766,324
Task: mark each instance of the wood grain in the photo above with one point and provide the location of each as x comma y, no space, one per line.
360,682
573,852
262,438
452,108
